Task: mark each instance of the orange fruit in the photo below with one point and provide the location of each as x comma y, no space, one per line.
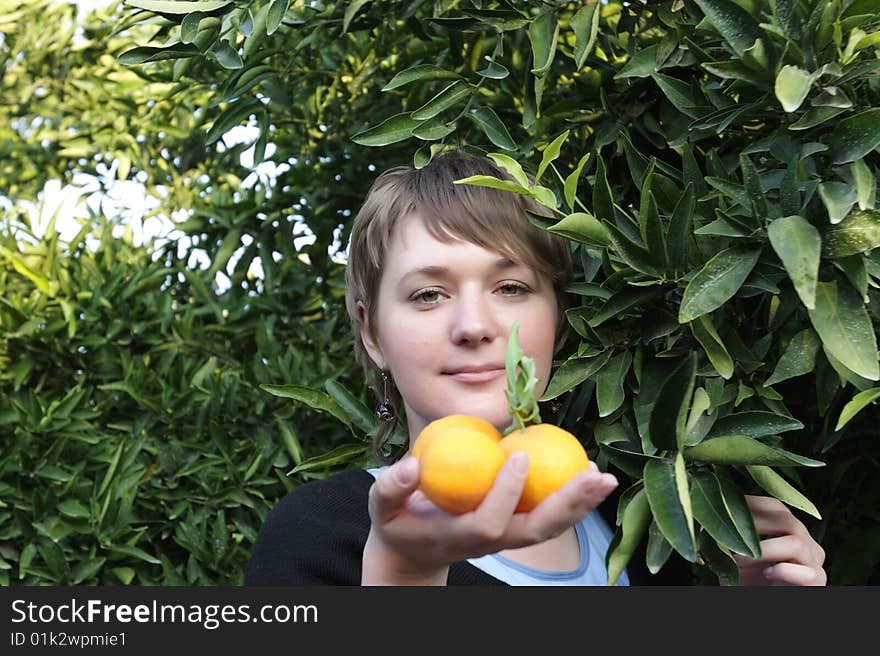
555,457
439,426
457,467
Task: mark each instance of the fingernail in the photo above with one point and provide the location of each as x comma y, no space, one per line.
768,573
407,470
519,461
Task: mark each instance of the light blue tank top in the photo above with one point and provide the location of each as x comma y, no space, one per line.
593,536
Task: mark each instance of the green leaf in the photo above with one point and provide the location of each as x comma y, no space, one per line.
755,423
778,487
658,549
189,27
680,228
420,72
550,154
711,513
603,200
448,97
866,185
733,23
230,118
668,423
573,372
571,182
838,197
494,183
145,54
799,358
543,33
124,574
134,552
341,455
351,9
742,450
636,517
859,232
668,496
86,569
227,56
705,333
642,64
738,510
487,120
633,254
845,328
609,383
799,246
391,130
582,227
679,93
313,398
718,560
815,116
585,25
858,403
177,6
855,136
352,406
792,86
512,167
620,302
73,508
717,281
277,10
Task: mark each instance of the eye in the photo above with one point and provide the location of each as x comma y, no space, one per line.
426,297
513,289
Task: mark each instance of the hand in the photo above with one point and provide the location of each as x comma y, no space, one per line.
413,541
789,555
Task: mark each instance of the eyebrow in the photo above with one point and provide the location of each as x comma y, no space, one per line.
501,264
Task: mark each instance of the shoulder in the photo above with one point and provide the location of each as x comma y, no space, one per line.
314,534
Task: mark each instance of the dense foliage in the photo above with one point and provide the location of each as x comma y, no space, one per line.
713,162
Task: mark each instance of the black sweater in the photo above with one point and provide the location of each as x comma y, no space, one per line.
316,534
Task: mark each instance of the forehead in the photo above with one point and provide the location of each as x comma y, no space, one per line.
412,245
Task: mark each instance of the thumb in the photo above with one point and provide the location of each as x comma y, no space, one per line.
391,489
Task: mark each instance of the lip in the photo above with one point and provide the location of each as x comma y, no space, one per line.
473,376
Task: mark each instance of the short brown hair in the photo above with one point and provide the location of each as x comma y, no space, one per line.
491,218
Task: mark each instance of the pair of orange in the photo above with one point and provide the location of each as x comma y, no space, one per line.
460,456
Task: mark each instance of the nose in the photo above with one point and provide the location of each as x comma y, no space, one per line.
474,319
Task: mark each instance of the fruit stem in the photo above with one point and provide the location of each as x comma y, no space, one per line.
521,383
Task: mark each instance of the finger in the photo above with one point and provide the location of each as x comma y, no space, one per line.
794,574
493,514
788,548
774,518
389,493
564,507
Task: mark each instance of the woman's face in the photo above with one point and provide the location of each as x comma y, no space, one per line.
444,313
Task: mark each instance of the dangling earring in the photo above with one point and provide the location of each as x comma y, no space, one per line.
385,411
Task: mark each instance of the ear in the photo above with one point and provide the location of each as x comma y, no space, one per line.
373,349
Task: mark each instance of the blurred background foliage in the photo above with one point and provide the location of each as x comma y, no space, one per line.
139,447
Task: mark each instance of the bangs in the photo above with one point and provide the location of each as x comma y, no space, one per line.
491,218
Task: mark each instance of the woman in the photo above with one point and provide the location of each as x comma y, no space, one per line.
437,275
